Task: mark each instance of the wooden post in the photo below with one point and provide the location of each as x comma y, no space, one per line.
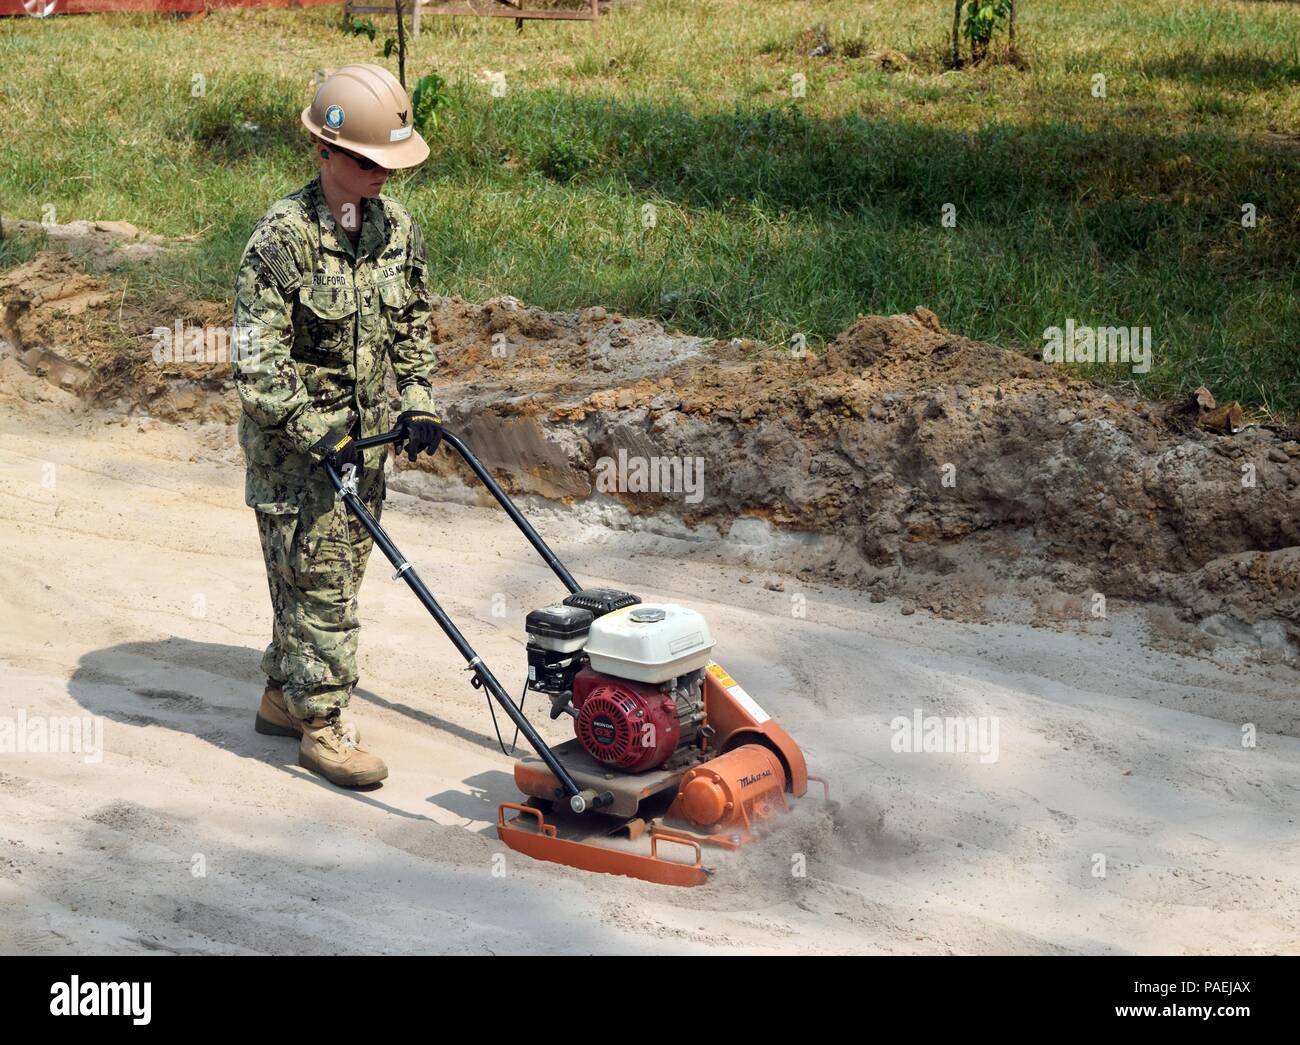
401,45
415,18
956,33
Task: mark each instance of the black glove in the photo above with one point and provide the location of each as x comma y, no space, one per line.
338,448
420,430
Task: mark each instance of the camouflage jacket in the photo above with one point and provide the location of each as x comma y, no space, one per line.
316,321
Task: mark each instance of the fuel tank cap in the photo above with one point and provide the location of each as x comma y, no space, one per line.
647,614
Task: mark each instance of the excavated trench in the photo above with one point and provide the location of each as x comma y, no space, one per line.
965,479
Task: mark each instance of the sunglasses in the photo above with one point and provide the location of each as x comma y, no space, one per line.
361,161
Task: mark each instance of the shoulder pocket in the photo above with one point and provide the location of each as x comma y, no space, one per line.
395,293
278,259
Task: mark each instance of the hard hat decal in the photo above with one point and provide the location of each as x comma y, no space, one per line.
401,134
401,116
334,117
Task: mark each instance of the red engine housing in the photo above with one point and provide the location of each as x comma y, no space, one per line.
628,725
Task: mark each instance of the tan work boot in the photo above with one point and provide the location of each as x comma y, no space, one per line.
328,748
275,720
273,716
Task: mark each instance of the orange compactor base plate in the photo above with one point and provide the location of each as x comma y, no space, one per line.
746,772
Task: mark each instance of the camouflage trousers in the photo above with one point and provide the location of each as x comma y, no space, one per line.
315,560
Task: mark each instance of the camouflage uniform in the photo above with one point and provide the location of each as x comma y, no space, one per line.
317,319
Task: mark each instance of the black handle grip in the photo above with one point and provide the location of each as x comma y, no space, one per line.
378,440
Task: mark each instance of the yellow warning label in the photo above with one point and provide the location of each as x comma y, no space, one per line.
720,673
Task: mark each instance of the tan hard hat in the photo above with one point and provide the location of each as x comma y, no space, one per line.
365,110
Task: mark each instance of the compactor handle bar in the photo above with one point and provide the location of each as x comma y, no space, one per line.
580,800
534,538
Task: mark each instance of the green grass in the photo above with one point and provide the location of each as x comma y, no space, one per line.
775,214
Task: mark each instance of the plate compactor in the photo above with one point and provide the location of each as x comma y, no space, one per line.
669,752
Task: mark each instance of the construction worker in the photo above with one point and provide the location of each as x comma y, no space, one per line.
332,285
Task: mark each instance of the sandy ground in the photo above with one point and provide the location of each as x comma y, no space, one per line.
131,588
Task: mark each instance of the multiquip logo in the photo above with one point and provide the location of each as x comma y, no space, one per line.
75,998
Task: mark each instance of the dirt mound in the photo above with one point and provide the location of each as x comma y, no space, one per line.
948,470
85,337
905,458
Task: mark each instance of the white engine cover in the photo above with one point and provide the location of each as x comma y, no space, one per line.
631,644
